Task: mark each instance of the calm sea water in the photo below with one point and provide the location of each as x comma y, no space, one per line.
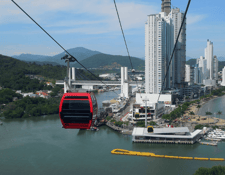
41,146
213,106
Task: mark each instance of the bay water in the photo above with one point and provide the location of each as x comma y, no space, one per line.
41,146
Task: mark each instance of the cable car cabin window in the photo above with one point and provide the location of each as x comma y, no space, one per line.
76,111
76,105
150,129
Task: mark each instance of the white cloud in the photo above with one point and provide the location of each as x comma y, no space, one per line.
191,19
100,15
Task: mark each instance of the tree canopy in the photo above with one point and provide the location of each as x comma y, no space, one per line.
215,170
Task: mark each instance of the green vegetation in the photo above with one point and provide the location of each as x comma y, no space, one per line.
214,127
13,71
108,118
191,62
28,107
178,112
219,113
152,123
199,126
191,113
142,123
111,61
6,96
215,170
56,90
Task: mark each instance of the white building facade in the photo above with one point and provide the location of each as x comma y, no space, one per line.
223,77
208,67
161,31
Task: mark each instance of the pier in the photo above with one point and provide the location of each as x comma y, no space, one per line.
112,126
212,139
209,143
163,141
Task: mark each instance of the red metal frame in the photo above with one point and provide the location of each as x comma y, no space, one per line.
76,125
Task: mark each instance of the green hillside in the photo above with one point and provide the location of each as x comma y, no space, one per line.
13,71
111,61
221,65
191,62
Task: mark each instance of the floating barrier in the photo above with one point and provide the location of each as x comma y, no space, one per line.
148,154
200,158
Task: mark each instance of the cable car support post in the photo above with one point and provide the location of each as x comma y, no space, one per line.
67,80
145,100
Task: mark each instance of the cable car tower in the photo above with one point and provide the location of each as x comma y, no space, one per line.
67,81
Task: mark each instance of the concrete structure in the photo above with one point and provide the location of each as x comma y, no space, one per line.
189,74
180,51
126,84
165,99
223,77
215,68
166,6
126,90
161,31
206,69
209,58
166,135
158,48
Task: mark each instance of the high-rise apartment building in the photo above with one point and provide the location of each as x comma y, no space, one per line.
180,51
161,31
208,65
209,58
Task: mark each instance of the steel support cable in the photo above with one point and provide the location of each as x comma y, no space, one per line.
59,44
171,57
124,37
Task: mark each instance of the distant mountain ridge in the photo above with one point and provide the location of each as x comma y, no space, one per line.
88,58
111,61
79,53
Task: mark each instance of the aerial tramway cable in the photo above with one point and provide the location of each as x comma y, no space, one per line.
133,70
60,45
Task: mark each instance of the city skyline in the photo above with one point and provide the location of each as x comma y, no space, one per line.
70,23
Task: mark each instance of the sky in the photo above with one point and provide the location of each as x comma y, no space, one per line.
93,24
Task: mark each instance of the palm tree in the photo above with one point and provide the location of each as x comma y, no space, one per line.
191,113
219,113
208,113
199,106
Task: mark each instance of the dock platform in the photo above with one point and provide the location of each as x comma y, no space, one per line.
163,141
212,139
116,128
209,143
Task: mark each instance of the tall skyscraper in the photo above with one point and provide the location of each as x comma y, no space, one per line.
161,31
208,65
215,68
180,51
209,58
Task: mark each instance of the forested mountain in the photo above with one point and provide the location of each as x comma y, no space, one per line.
13,71
31,57
111,61
79,53
191,62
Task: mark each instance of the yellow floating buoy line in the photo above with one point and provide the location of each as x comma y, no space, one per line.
148,154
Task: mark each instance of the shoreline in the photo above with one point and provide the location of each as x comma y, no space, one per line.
203,119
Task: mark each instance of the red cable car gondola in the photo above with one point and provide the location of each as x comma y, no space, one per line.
77,110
